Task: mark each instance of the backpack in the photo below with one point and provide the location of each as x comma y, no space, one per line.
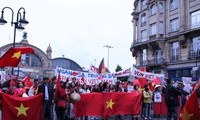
169,97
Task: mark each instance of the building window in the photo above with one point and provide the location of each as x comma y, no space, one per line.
143,4
196,44
143,35
174,25
143,20
153,29
158,56
174,4
153,10
178,74
161,29
31,60
186,73
144,57
195,19
175,52
161,10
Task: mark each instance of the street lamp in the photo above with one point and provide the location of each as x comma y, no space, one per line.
108,47
196,55
18,24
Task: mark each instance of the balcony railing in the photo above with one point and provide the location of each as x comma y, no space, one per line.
193,55
192,27
145,62
174,58
156,61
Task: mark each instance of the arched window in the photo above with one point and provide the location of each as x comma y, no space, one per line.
143,19
174,4
143,4
31,60
161,8
153,10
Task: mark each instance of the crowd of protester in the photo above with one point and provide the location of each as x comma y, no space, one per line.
165,100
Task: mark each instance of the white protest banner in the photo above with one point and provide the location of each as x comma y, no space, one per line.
186,80
85,77
123,73
150,76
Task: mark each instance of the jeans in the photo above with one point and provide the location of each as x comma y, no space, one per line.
60,113
48,110
172,111
147,107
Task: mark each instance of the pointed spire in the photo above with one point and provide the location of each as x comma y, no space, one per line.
49,51
49,48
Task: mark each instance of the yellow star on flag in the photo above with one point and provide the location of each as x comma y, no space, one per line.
22,110
110,104
185,115
17,55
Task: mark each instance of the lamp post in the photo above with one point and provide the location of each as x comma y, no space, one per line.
196,55
108,47
18,24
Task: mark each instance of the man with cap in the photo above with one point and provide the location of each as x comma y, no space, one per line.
33,90
48,98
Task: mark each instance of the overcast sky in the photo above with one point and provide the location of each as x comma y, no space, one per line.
77,29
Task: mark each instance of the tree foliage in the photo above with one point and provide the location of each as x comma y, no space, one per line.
118,68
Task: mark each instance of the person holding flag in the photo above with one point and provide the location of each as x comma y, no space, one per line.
33,89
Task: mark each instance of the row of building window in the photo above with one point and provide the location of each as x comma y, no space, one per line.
174,25
175,51
173,5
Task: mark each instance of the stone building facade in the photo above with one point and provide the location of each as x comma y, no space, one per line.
166,37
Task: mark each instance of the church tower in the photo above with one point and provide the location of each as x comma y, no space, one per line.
49,52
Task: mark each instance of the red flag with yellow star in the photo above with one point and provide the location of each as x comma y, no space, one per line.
154,82
18,108
191,110
122,103
107,104
13,56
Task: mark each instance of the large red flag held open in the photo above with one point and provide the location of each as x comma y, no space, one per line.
107,104
19,108
191,110
13,56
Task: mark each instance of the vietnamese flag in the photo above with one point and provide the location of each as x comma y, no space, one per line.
143,82
115,104
136,82
19,108
154,82
27,80
13,56
89,105
107,104
191,110
143,69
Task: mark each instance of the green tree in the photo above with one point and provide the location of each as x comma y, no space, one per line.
123,79
118,68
